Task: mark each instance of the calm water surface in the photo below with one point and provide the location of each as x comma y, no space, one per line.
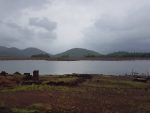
67,67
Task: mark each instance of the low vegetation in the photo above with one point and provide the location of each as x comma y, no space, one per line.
75,93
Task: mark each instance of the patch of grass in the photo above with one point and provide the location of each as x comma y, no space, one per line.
2,104
107,82
35,88
133,84
41,107
24,110
145,107
59,79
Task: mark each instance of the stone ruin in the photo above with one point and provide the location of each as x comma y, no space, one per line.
31,79
27,76
34,77
3,73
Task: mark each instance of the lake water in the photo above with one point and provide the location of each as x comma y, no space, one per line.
67,67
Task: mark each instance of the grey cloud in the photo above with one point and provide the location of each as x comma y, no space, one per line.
47,35
14,7
43,23
132,45
21,4
14,27
11,33
129,33
118,25
48,26
15,35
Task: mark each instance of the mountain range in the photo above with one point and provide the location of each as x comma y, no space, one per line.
75,52
15,52
28,52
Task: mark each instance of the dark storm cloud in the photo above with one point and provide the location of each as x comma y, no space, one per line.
121,33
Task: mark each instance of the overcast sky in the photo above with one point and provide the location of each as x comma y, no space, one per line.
58,25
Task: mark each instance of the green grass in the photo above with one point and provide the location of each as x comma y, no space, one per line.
146,107
97,82
59,79
133,84
24,110
107,82
42,108
35,88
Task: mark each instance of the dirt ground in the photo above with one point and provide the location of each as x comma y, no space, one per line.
98,94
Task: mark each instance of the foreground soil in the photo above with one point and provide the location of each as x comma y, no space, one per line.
64,94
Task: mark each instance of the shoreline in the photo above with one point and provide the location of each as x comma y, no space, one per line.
77,59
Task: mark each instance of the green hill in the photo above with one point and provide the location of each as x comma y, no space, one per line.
78,52
129,54
119,54
15,52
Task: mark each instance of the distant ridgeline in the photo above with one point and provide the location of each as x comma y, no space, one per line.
41,56
72,53
15,52
129,54
78,52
